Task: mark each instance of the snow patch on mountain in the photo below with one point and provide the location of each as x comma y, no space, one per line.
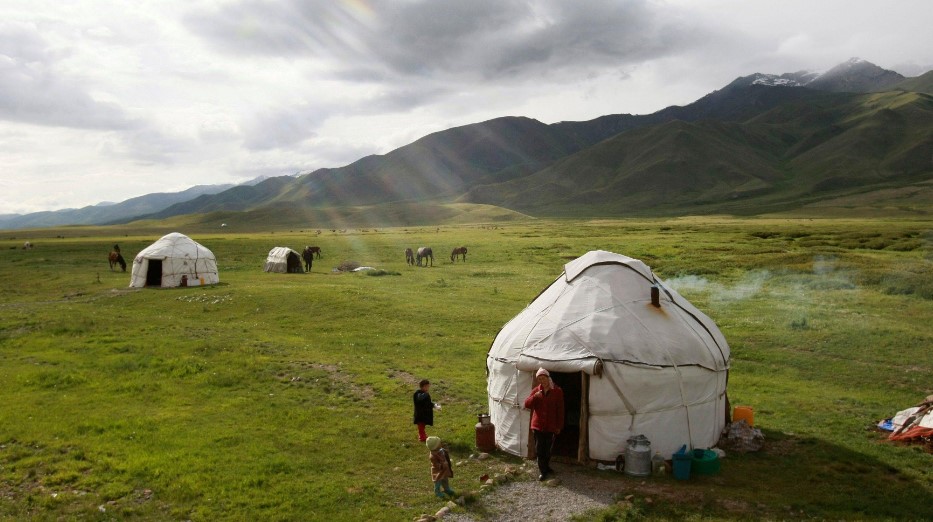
773,80
851,71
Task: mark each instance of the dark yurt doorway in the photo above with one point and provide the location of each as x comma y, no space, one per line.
154,273
567,444
294,264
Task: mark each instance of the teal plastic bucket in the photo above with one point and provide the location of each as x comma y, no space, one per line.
682,463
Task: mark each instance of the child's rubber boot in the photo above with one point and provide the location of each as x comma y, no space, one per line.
437,490
452,493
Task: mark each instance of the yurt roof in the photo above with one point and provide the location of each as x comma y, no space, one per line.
175,245
281,252
599,310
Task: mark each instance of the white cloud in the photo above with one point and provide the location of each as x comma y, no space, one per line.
34,92
113,99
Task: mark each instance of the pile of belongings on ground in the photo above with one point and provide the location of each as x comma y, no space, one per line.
741,438
913,424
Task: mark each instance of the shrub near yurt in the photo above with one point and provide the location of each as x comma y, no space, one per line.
283,260
632,357
174,260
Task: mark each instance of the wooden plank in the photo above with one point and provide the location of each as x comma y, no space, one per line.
584,449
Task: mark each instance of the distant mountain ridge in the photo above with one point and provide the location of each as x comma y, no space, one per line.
763,142
111,212
108,212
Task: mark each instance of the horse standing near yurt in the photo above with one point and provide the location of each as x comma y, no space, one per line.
459,251
409,257
314,250
426,254
116,258
308,255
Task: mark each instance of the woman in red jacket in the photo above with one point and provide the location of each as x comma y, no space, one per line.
546,403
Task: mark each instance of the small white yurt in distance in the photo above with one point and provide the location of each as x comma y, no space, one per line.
174,260
628,364
283,260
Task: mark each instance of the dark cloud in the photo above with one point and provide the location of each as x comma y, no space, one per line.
480,39
401,97
33,92
283,127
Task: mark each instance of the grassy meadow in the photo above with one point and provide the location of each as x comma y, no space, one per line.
287,397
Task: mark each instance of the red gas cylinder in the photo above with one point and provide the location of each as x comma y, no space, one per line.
485,434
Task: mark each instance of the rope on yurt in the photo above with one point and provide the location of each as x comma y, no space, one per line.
628,405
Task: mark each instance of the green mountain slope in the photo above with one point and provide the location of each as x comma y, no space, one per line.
441,164
922,83
243,197
800,151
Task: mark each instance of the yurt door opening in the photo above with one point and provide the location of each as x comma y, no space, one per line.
570,445
154,273
294,264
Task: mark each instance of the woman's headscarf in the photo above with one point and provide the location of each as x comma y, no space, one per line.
542,371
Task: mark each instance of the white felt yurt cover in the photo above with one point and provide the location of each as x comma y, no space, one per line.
277,261
656,371
180,256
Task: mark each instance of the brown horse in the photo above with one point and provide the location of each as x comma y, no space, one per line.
314,250
459,251
427,254
116,258
308,255
409,257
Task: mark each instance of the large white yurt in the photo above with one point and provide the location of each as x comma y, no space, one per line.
284,261
631,355
174,260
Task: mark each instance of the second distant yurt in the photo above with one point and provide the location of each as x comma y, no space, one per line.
172,261
631,355
284,261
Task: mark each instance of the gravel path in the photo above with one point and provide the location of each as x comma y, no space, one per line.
525,500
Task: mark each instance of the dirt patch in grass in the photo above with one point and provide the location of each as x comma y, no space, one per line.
404,377
338,378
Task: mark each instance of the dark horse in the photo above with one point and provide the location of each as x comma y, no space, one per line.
308,255
314,250
116,258
409,257
459,251
425,253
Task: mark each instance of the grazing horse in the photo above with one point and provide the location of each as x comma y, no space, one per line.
116,258
427,254
459,251
27,246
308,255
314,250
409,257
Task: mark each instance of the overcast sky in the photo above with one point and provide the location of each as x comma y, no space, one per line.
102,100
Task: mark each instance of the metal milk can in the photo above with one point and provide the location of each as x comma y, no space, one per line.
638,456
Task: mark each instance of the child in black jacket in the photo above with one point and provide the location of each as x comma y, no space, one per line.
424,408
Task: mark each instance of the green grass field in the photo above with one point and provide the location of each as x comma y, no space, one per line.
287,397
